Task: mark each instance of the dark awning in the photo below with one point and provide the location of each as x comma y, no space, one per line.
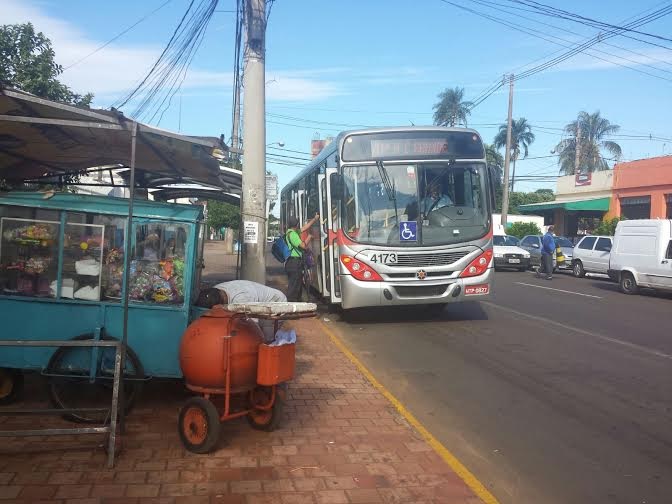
41,138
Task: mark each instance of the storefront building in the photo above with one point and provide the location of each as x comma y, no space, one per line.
581,201
639,189
642,189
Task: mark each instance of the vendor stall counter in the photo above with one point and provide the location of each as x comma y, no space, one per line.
61,277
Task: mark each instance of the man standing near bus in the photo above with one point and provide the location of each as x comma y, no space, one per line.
547,250
294,264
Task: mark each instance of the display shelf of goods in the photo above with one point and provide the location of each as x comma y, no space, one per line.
37,234
157,281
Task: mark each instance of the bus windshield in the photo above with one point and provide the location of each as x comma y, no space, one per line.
422,204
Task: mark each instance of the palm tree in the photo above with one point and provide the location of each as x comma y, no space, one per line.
594,129
451,108
521,139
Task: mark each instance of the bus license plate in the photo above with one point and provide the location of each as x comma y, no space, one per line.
383,258
476,290
514,261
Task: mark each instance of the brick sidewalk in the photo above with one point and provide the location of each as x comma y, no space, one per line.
341,442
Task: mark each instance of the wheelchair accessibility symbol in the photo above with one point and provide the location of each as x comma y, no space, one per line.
408,231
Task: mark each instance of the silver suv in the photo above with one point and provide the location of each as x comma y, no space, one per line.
591,255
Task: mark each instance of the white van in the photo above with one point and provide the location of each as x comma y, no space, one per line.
642,255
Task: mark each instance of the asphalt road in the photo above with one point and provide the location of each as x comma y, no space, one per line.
549,392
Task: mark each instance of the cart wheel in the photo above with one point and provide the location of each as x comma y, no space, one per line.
11,385
73,389
267,420
198,425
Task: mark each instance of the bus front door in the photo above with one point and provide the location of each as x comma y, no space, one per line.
329,222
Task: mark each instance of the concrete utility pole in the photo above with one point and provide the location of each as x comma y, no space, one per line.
577,150
253,265
507,157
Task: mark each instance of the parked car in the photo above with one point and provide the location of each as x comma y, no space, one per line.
642,255
508,254
532,243
591,255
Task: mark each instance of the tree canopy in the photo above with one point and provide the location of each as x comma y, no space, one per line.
594,131
521,139
221,214
451,109
27,63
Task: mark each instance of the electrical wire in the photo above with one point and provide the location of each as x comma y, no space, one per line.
119,35
598,38
507,10
563,14
157,89
574,49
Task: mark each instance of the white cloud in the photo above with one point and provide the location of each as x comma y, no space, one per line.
119,67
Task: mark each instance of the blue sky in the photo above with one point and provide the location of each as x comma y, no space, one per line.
376,63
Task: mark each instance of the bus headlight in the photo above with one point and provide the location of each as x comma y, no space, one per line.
478,266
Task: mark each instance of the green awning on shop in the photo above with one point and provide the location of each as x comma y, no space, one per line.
596,205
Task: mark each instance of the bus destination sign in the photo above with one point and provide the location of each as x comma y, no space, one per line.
408,147
412,145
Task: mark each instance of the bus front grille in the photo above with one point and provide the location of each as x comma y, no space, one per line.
418,291
425,260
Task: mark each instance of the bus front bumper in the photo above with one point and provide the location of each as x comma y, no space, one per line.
357,294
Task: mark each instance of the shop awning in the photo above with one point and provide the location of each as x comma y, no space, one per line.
42,138
585,205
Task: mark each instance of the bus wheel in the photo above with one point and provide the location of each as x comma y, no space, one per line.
11,385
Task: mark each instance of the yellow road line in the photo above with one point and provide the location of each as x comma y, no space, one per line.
472,482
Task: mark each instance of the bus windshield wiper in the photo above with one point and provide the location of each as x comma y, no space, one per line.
389,187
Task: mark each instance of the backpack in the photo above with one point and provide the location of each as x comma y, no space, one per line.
280,249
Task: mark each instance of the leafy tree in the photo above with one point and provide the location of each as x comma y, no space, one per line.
594,130
27,63
221,214
521,138
607,227
516,199
451,109
520,229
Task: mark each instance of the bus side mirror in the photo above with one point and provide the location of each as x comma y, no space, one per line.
336,187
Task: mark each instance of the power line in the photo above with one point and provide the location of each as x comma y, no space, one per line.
559,13
574,49
119,35
600,37
507,10
170,69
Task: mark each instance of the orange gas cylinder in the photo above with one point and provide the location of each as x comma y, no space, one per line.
203,351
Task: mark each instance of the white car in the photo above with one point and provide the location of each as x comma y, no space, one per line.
591,255
508,254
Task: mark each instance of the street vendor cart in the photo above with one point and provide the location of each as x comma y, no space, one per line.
62,278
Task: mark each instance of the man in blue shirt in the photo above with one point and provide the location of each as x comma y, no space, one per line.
547,250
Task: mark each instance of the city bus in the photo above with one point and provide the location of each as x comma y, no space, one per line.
405,217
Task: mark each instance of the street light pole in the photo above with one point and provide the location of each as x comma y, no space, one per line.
253,265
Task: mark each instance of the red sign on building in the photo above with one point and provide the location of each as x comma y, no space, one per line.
583,178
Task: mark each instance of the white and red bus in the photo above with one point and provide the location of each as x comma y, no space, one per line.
405,217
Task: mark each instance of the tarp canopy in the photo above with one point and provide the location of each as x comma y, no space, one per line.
593,205
41,138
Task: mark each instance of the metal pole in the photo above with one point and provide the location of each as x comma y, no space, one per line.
507,157
577,150
127,275
254,160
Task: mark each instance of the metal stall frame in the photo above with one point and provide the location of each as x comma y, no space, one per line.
110,429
